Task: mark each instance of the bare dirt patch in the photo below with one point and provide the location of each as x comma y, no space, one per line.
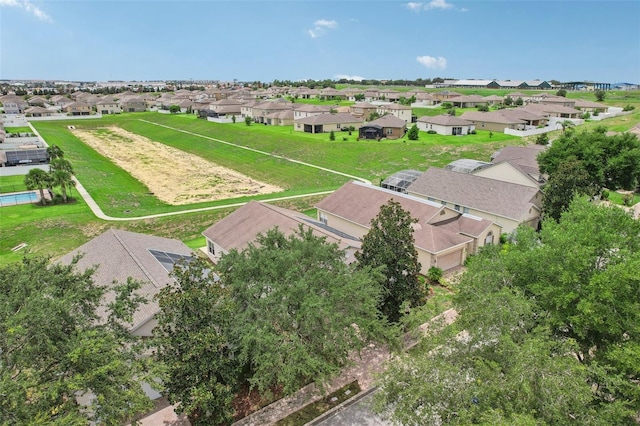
175,177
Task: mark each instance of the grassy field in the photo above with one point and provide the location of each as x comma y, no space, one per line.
12,184
56,230
23,129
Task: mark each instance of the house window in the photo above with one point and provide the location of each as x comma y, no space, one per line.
431,199
489,238
457,207
465,210
323,217
389,131
211,248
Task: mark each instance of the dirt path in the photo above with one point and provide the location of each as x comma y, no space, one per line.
174,176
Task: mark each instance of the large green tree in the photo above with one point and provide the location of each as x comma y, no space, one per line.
192,345
54,347
301,311
548,332
569,180
286,311
611,161
390,244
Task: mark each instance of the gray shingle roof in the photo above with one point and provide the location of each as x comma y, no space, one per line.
493,196
121,254
389,121
360,203
241,227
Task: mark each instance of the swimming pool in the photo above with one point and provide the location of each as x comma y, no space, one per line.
18,198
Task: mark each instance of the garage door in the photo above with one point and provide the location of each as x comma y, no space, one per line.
450,260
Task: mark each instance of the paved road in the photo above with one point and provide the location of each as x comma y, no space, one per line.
95,208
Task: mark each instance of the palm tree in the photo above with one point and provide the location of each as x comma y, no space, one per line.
54,152
37,179
566,124
61,164
63,179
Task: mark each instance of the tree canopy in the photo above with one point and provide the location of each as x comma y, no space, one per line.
611,161
285,312
390,244
548,332
568,181
54,348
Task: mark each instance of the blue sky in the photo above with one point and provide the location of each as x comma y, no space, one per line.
297,39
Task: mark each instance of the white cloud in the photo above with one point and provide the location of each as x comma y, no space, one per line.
28,6
433,4
416,7
348,77
326,24
464,9
438,4
320,27
438,63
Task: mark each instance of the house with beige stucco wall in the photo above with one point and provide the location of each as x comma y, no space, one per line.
328,122
445,124
443,237
403,112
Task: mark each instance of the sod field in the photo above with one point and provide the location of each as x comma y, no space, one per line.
58,229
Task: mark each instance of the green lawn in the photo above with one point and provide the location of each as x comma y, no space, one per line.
12,184
22,129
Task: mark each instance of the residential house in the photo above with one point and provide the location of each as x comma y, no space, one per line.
423,99
389,95
260,110
445,95
108,106
553,110
325,123
363,110
331,93
371,94
467,101
493,99
60,101
387,126
241,228
403,112
590,107
280,118
445,124
77,108
120,255
37,101
13,104
133,104
307,110
504,203
530,118
549,99
443,237
493,121
38,111
524,158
